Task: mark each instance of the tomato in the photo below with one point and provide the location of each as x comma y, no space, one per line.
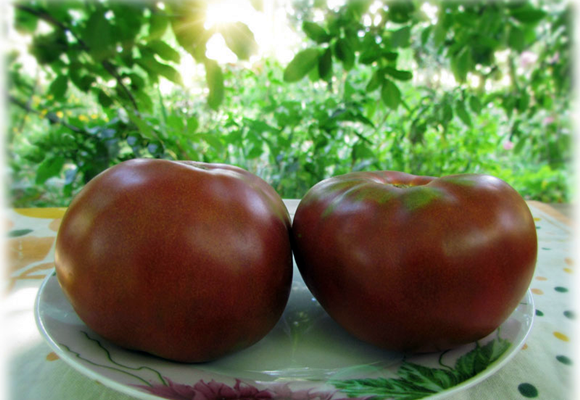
415,263
184,260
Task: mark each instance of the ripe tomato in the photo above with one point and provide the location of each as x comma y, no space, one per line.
184,260
415,263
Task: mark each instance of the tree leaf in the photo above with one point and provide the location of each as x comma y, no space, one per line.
375,81
142,126
390,55
51,166
192,124
58,87
98,36
215,82
461,64
24,22
398,74
520,145
104,100
462,113
128,19
390,94
344,52
154,67
425,35
400,11
516,39
158,23
523,102
361,150
439,34
187,23
358,7
369,56
164,50
527,14
401,37
475,104
143,100
446,113
212,140
170,73
258,5
48,48
301,65
240,39
315,32
325,65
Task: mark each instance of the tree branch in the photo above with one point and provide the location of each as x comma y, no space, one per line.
109,67
49,116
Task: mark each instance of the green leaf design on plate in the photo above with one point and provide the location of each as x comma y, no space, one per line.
415,381
115,363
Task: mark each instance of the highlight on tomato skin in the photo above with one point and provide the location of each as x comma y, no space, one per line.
186,261
413,263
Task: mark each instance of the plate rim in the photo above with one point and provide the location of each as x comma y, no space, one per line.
489,371
69,358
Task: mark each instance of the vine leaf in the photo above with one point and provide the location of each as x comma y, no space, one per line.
416,381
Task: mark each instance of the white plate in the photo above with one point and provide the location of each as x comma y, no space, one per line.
307,355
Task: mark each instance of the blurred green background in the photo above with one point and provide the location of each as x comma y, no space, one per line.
294,91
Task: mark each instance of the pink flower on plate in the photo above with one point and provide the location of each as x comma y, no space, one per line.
174,391
219,391
508,145
240,391
283,392
206,391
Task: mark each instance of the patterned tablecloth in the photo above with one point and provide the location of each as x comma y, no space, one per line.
543,369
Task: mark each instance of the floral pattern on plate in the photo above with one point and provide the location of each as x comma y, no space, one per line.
306,356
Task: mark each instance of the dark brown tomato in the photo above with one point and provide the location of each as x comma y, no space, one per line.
415,263
187,261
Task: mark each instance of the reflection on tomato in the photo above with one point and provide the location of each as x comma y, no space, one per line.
184,260
415,263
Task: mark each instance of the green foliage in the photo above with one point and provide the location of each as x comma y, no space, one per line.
387,87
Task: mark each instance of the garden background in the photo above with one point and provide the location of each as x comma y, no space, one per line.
294,91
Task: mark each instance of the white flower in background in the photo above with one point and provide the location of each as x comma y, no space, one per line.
508,145
548,120
528,58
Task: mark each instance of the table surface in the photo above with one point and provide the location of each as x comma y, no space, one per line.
542,369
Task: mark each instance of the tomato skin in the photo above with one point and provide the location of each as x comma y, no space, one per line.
412,263
184,260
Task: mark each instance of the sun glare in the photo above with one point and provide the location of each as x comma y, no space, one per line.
269,26
226,11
